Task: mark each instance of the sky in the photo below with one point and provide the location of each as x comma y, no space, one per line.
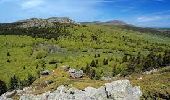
146,13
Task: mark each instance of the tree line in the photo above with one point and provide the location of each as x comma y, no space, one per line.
16,83
133,64
57,30
140,64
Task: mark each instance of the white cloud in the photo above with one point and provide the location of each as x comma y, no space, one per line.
85,9
27,4
153,18
148,18
4,1
160,0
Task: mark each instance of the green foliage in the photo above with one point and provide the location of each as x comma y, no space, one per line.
114,73
105,61
30,79
14,83
166,58
93,64
155,85
40,54
151,61
92,74
125,59
8,54
3,87
77,45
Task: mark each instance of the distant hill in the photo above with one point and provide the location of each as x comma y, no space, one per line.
111,22
154,31
121,24
37,27
59,24
115,22
39,22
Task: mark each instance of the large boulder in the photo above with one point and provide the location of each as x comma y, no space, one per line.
75,73
116,90
122,90
8,95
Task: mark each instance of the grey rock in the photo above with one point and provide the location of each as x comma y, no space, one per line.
75,73
45,72
122,90
8,95
117,90
39,22
106,78
151,71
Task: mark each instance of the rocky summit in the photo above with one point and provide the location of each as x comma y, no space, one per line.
116,90
49,22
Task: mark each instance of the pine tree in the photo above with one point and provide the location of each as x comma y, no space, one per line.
30,79
14,83
97,62
160,60
105,61
3,87
125,59
92,74
87,69
93,63
166,58
138,59
150,62
114,71
8,54
98,55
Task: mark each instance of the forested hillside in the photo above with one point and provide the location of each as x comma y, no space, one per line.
99,50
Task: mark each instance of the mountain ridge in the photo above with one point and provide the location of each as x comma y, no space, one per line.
109,22
54,22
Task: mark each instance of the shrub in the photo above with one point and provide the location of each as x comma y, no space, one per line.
40,54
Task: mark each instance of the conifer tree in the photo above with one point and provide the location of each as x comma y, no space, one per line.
114,71
105,62
125,59
93,63
3,87
166,58
30,79
92,74
14,83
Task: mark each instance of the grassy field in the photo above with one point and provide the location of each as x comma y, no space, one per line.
27,54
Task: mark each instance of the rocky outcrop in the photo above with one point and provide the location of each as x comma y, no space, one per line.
116,90
39,22
8,95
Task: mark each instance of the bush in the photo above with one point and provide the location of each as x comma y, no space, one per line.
40,54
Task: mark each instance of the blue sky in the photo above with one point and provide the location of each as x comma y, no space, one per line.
149,13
